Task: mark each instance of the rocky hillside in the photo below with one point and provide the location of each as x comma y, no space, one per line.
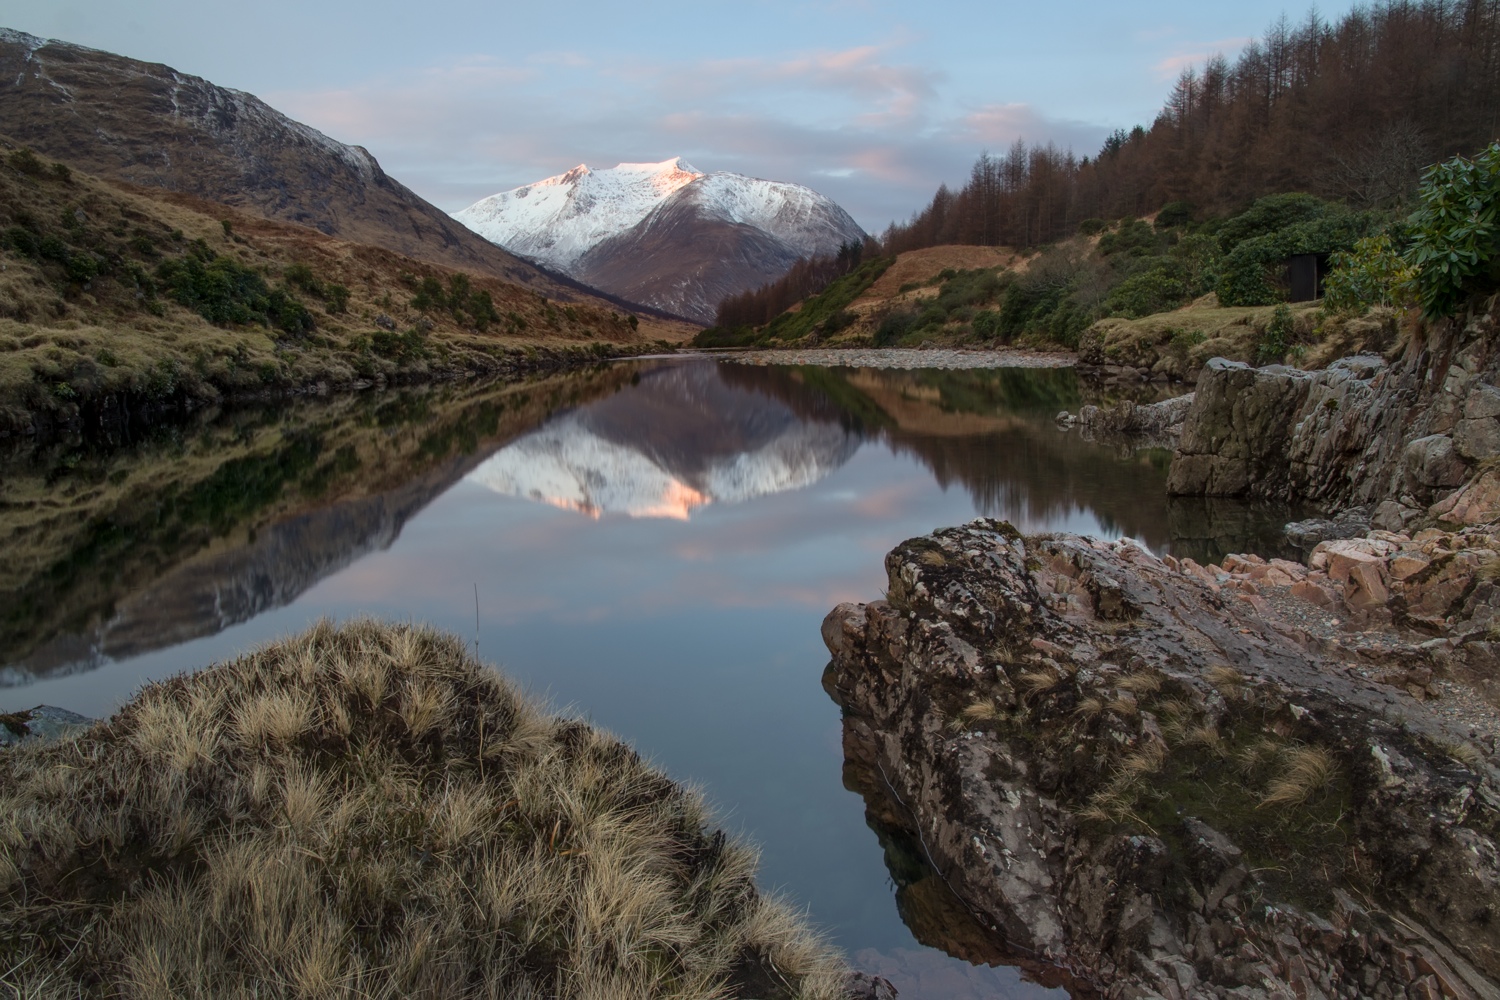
664,234
1361,431
147,124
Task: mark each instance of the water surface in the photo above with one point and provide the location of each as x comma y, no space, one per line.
653,547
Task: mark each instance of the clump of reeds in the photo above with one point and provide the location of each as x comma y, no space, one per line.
366,812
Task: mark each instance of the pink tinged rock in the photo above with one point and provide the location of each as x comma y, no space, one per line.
1407,565
1048,648
1276,578
1296,571
1366,587
1312,593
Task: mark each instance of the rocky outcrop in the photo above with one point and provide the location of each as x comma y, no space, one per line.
1137,425
1359,431
1137,777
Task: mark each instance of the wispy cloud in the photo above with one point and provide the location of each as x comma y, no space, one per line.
1196,55
868,129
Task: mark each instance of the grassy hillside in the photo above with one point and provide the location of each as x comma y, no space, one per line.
1171,290
115,296
367,812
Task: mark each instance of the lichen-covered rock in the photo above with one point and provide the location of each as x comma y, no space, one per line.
1128,771
1360,431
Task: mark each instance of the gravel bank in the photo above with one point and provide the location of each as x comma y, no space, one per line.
907,358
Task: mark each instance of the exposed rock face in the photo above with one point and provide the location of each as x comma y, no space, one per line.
1149,425
1071,728
1360,431
147,124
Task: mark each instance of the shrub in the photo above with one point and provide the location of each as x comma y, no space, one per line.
224,291
1277,337
1456,234
1088,227
1251,271
894,327
1175,213
1134,237
1372,274
27,162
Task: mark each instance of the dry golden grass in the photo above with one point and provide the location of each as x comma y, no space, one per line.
979,711
1035,682
1141,684
1227,680
365,812
1302,772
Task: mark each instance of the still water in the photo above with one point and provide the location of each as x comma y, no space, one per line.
651,546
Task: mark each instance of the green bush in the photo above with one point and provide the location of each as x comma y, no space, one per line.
224,291
1088,227
1269,215
895,327
1153,291
1175,213
1277,337
27,162
1134,237
1252,270
1372,274
1455,233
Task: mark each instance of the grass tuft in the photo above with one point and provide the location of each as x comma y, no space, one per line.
1304,771
366,812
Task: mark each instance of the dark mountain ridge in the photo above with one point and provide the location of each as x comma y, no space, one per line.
148,125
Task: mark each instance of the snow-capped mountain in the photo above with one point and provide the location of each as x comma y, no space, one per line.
679,440
664,234
557,220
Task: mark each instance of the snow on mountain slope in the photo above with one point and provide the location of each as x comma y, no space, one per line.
557,220
663,234
796,215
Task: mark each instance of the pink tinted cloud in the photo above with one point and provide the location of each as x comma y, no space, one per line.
1172,65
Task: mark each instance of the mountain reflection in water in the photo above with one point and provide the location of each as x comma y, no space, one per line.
678,439
714,514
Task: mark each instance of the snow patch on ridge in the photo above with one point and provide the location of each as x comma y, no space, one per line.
559,219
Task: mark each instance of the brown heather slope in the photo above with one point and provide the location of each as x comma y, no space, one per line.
147,124
89,321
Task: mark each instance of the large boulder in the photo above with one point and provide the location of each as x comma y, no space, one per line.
1128,770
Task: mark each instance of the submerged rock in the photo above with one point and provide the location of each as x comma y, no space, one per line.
45,722
1131,772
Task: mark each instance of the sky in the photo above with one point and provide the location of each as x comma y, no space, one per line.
874,103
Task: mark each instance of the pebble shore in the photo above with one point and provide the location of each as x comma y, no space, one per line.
902,358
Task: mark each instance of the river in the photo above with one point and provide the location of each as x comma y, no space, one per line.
651,546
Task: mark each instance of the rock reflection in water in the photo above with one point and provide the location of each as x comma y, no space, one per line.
935,915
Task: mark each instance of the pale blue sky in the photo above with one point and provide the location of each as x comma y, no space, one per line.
872,102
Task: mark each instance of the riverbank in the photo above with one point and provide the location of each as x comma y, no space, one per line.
903,358
366,809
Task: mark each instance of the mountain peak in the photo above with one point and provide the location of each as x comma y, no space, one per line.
558,219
